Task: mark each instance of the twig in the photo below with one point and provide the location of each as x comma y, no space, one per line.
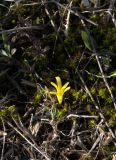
21,29
112,16
68,20
80,116
112,3
4,6
4,135
110,76
100,137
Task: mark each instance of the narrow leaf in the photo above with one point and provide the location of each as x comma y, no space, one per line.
86,40
4,37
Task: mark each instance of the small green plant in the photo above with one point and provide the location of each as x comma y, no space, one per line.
6,51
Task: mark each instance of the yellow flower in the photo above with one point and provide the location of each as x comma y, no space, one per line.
60,90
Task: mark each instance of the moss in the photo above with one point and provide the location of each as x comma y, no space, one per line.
108,149
8,111
93,91
84,97
103,93
42,62
105,41
110,114
110,39
50,37
71,41
39,96
76,94
39,20
92,123
94,17
22,9
63,111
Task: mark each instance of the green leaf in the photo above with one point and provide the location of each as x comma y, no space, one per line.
86,40
4,37
3,52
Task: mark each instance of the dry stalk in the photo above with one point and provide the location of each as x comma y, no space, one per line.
68,20
111,6
80,116
4,138
21,29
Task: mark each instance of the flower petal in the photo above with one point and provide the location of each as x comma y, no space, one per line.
54,93
60,98
66,89
53,84
59,83
65,85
